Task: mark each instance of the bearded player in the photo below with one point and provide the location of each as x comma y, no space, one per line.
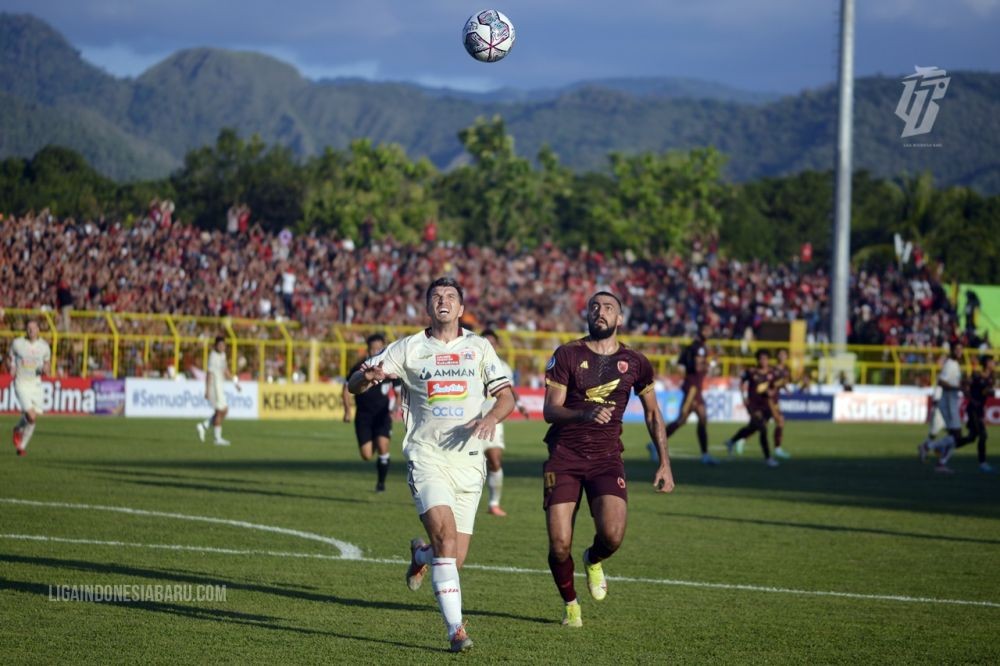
587,386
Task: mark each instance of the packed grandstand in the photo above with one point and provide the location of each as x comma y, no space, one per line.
159,265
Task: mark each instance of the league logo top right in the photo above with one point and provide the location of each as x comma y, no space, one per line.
918,107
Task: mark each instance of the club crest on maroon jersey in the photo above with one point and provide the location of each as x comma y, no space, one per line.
623,367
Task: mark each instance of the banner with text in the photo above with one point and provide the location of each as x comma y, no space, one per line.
993,411
806,407
301,401
853,407
185,399
60,395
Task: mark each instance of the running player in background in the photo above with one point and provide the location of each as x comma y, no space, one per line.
694,360
981,388
935,422
218,372
782,377
29,357
588,383
447,374
950,381
495,448
373,421
757,387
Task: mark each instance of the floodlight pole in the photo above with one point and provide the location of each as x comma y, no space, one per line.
841,273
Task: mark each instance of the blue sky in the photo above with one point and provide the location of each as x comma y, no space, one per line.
766,45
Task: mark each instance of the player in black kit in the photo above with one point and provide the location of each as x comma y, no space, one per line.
980,389
373,421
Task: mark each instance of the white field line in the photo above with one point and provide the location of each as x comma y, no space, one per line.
348,551
518,570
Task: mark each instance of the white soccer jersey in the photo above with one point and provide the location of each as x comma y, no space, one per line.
29,359
498,438
951,373
217,372
217,365
490,400
444,388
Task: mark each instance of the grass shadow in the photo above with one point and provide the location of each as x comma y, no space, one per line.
199,578
829,528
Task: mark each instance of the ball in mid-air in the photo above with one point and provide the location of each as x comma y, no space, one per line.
488,35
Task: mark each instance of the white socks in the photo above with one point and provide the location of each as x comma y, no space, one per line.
494,481
942,443
444,576
26,434
218,433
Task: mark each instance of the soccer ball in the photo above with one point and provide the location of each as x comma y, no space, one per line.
488,35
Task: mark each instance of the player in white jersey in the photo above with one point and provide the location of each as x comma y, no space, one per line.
935,423
218,372
950,383
494,449
29,358
446,373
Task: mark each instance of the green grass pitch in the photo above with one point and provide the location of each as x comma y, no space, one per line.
736,566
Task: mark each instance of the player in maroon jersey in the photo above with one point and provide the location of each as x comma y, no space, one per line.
694,358
979,390
759,383
782,378
587,386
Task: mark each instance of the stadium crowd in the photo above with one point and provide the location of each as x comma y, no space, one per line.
160,265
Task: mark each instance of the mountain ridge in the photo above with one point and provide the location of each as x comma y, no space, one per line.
141,128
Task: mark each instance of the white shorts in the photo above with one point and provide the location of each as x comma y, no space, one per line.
29,395
497,442
217,398
460,488
948,406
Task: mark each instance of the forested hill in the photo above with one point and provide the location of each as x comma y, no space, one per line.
141,128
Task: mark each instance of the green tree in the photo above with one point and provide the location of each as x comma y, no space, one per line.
663,201
499,198
376,182
237,171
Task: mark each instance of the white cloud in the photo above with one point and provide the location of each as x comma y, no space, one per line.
470,84
120,59
982,7
312,69
363,69
930,13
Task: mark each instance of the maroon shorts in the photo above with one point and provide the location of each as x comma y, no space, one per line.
693,396
760,411
566,479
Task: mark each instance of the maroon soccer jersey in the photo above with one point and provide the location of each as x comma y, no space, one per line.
694,359
760,383
593,380
782,377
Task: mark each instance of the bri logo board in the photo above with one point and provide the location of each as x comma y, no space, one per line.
60,395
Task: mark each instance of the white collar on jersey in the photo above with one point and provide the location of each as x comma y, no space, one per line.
462,333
